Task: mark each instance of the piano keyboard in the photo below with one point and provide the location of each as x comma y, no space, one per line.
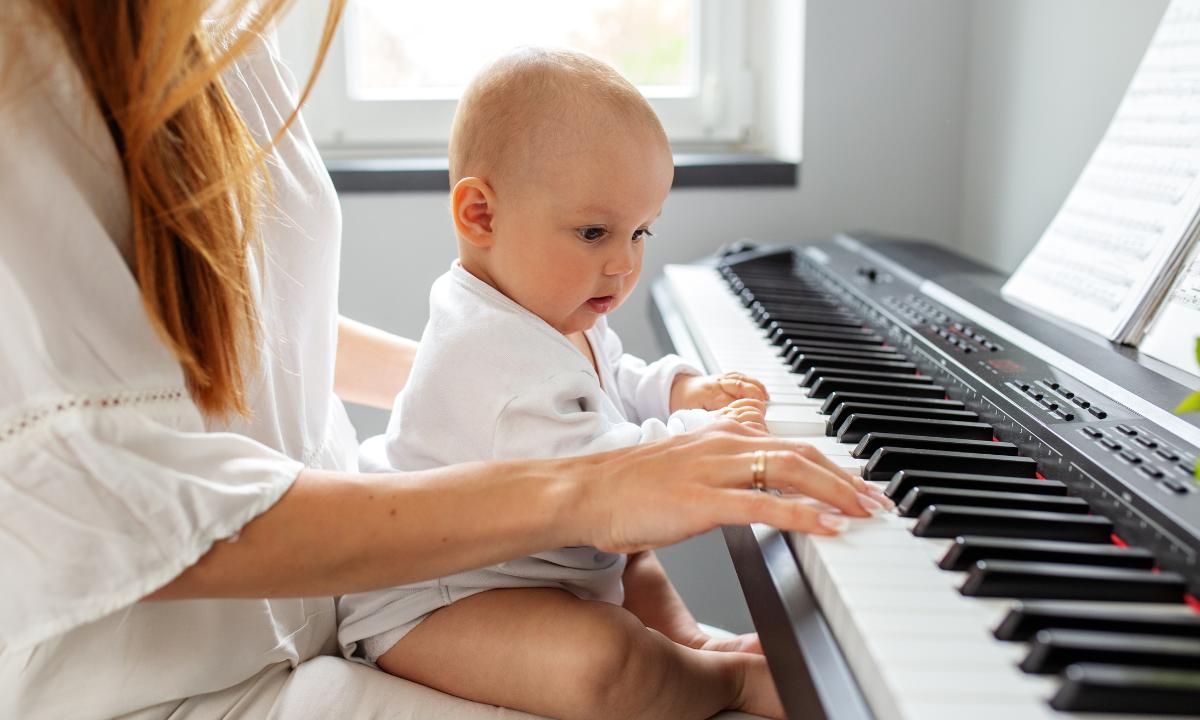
992,591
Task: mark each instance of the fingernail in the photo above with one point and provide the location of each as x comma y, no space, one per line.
836,523
869,504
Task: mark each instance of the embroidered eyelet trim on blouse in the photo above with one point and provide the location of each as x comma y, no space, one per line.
32,418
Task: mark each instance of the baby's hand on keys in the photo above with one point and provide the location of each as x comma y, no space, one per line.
713,392
750,413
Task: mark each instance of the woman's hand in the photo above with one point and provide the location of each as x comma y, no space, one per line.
750,413
657,494
712,392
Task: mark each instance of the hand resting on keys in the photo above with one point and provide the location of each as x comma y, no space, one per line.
712,392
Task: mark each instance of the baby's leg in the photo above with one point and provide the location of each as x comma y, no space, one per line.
547,652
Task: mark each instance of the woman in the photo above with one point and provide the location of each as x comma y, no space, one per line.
170,350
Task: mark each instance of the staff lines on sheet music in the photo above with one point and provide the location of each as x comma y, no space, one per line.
1172,166
1092,239
1163,191
1172,117
1062,260
1188,292
1088,283
1108,218
1177,139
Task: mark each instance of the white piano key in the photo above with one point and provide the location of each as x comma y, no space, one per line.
793,420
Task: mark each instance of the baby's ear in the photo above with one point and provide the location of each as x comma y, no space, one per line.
472,203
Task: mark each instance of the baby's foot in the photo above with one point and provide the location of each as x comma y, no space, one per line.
758,696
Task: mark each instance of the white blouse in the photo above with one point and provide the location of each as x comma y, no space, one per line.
111,481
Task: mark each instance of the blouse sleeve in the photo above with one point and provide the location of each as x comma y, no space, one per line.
560,417
109,484
645,389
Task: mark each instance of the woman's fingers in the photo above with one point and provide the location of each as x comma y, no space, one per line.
784,513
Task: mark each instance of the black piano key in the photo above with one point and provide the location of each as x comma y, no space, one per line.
917,499
844,411
970,549
949,521
905,480
1026,619
873,441
825,334
813,374
805,361
1063,581
859,425
827,385
835,400
1094,687
792,348
1053,650
886,462
787,327
815,316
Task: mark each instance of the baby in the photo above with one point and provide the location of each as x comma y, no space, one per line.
559,167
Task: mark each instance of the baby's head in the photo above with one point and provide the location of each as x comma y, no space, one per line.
558,167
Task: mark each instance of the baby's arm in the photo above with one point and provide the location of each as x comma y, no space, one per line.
547,652
562,417
670,384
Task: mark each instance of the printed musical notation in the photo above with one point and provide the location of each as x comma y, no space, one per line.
1172,336
1108,256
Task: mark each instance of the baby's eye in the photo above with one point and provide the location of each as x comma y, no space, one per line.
642,233
592,234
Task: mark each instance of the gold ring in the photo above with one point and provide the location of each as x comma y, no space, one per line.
758,470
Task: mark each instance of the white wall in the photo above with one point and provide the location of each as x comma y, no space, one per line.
1045,79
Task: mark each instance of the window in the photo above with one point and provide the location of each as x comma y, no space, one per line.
396,68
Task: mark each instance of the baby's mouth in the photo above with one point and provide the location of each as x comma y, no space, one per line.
602,304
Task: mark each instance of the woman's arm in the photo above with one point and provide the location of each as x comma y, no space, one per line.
372,365
334,533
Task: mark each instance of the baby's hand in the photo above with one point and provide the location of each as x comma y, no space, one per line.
748,412
713,392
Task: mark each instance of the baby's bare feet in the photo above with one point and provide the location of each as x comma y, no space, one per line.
758,695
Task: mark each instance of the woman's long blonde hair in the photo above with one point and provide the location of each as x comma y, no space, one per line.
194,173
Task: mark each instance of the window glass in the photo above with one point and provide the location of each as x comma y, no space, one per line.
392,55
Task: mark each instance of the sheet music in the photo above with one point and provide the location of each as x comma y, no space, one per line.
1172,337
1110,252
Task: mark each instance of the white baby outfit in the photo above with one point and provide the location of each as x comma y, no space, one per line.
493,381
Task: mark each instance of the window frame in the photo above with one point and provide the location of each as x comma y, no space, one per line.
721,114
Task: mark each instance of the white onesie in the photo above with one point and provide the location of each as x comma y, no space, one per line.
492,381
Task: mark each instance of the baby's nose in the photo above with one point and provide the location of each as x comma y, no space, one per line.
622,262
